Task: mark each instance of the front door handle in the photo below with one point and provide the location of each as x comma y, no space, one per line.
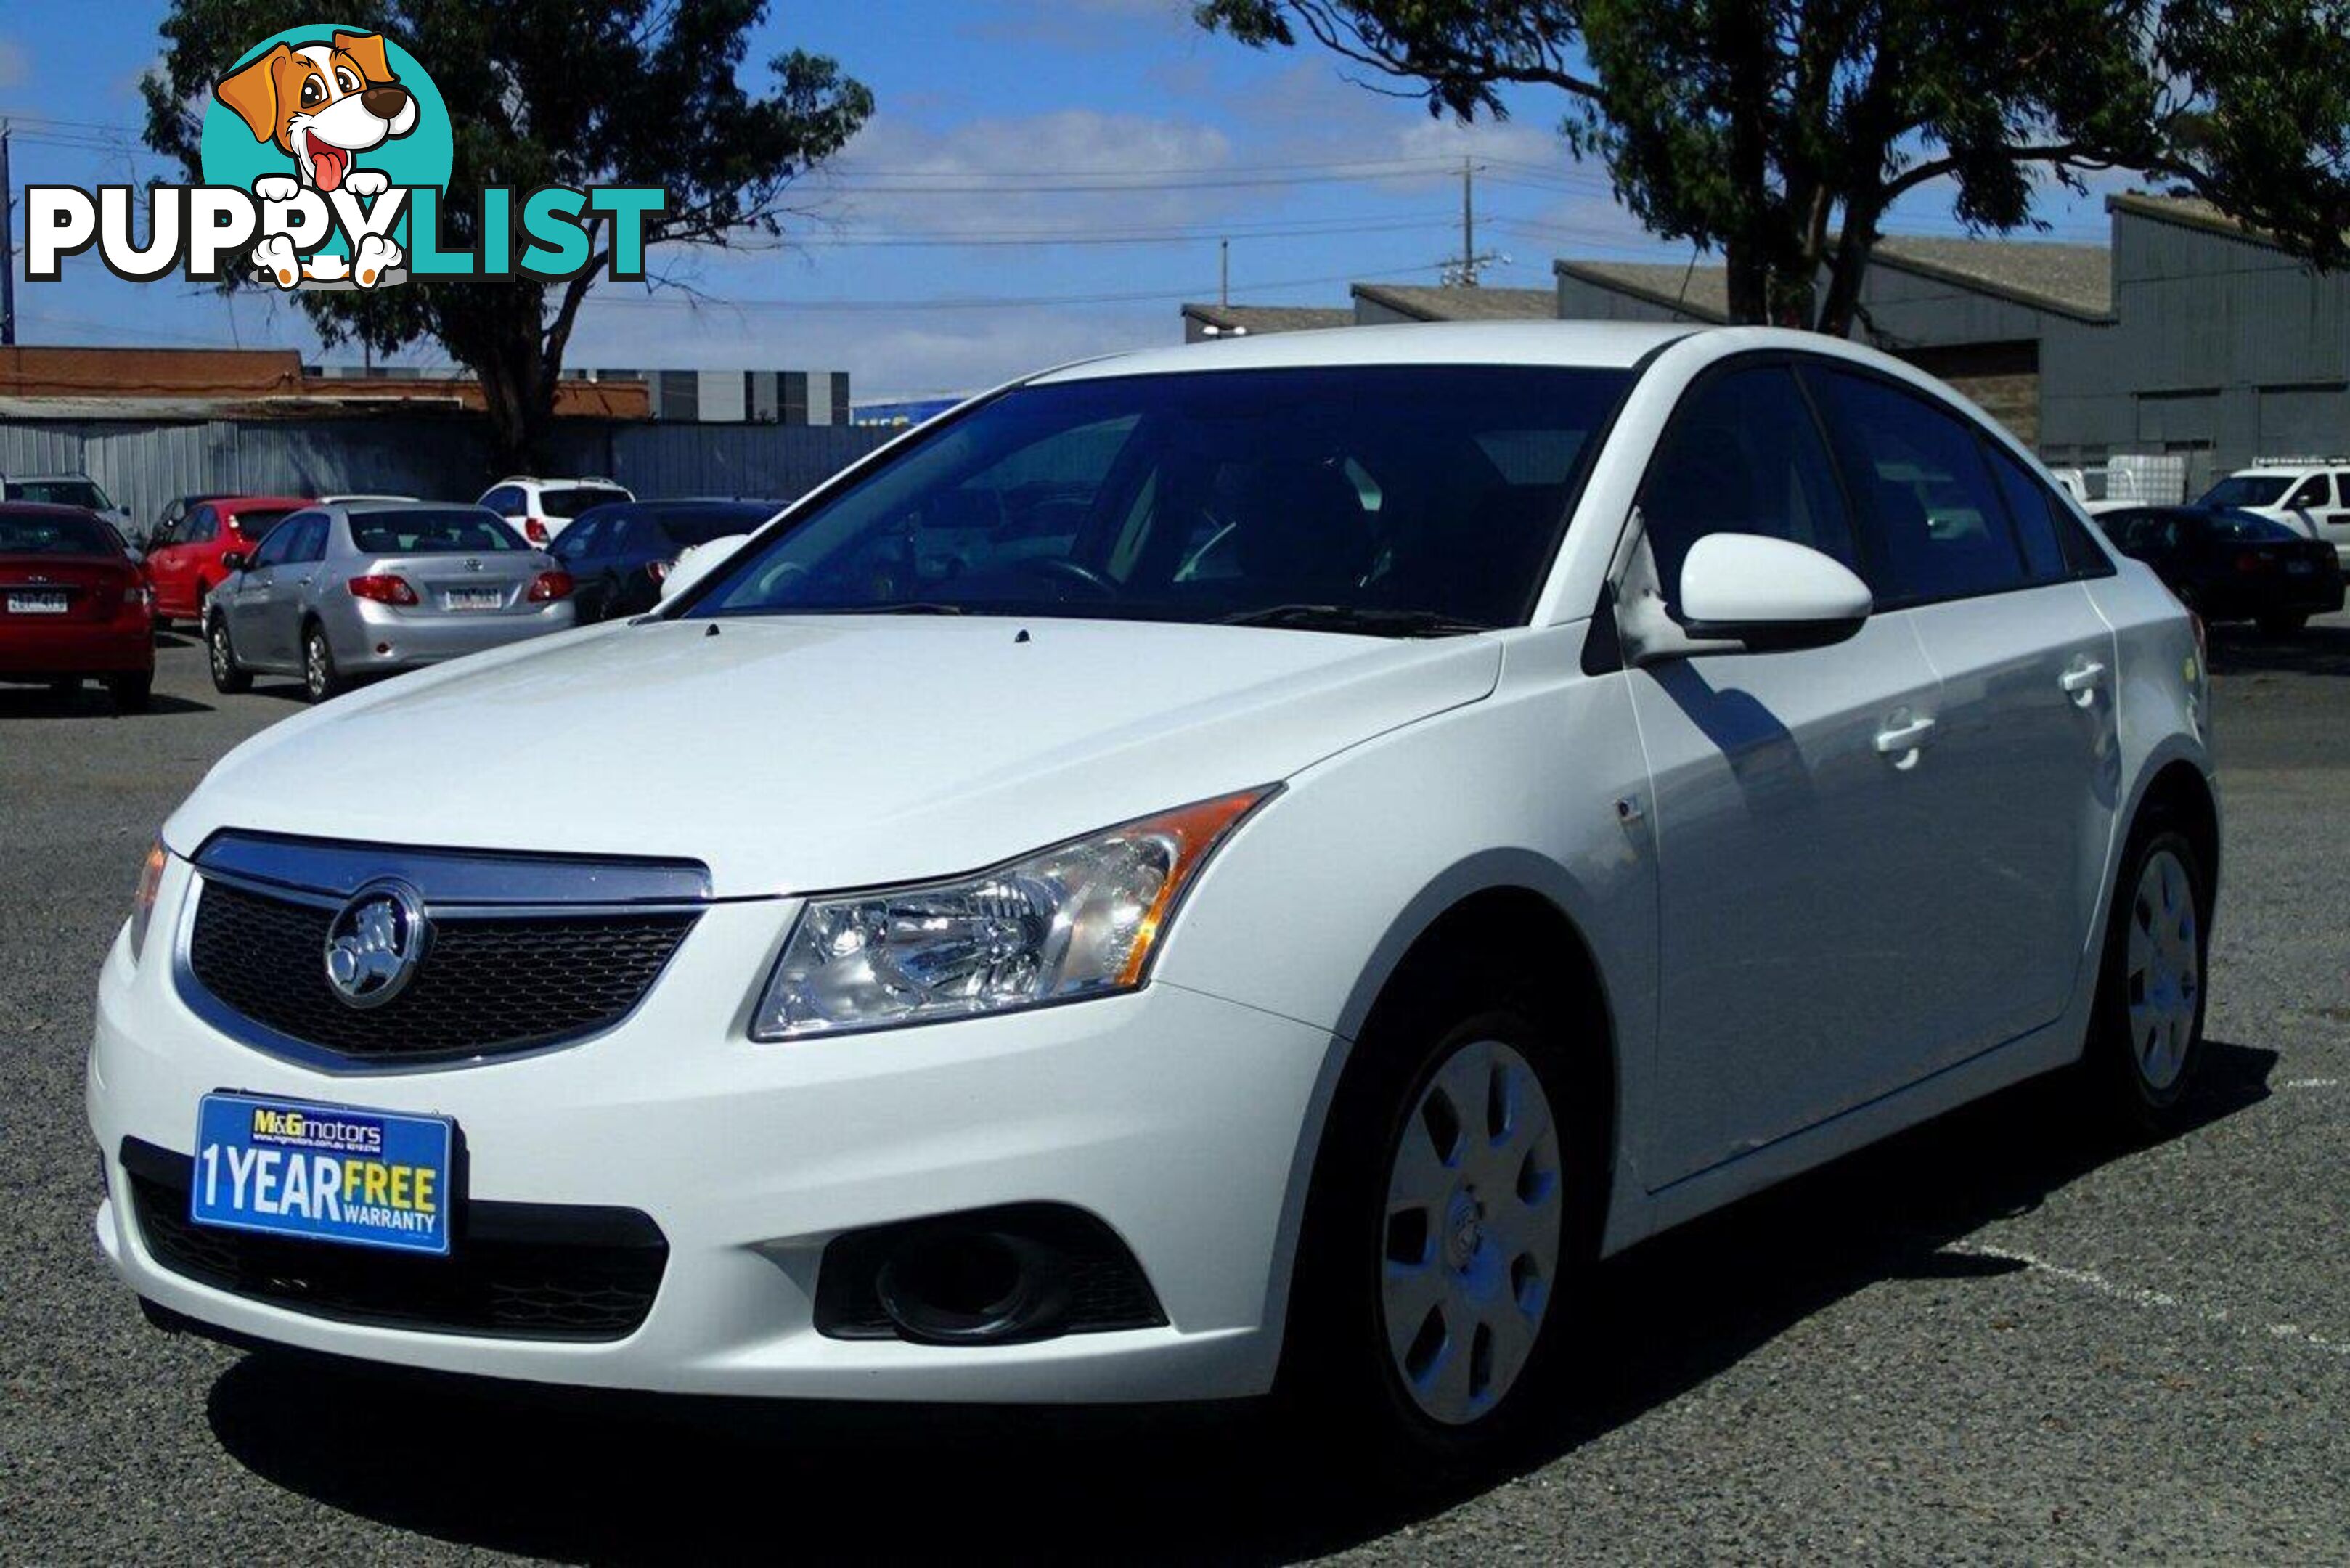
2080,681
1901,741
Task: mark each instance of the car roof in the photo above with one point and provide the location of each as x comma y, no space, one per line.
380,508
1609,345
49,509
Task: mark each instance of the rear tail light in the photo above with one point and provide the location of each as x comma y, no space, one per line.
384,589
2248,561
2202,641
549,586
535,530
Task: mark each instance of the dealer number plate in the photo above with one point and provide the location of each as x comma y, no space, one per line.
331,1173
475,598
36,603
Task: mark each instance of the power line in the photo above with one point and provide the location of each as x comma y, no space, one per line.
990,302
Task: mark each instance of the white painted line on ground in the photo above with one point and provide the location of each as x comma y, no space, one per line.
2139,1296
2310,1084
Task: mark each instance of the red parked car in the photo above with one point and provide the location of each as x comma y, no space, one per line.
183,558
71,606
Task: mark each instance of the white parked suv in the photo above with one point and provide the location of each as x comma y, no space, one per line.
2309,495
1226,869
538,508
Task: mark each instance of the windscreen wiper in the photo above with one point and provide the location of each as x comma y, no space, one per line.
1369,621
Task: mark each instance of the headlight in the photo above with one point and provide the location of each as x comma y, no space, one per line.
1082,919
142,902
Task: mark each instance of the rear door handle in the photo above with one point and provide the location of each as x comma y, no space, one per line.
1902,740
2080,681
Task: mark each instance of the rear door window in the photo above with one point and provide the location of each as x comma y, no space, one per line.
571,500
1742,456
1938,528
2044,525
2313,492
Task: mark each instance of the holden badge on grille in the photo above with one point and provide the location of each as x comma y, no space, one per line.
375,943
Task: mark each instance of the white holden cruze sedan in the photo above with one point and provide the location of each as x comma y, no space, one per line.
1236,868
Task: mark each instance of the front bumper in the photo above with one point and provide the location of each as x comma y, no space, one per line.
370,638
1173,1116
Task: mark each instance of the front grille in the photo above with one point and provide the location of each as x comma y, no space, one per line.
485,986
514,1271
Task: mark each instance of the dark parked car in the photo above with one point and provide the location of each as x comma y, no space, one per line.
2231,564
619,554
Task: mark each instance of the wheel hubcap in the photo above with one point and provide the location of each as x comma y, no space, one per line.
317,665
2165,970
1473,1232
220,653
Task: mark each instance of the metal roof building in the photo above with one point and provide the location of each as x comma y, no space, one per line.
2189,335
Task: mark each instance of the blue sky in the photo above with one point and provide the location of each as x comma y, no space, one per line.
946,249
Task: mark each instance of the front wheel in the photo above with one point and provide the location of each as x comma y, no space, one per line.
2145,1036
1449,1235
320,679
229,677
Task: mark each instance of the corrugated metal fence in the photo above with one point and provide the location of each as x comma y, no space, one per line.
144,463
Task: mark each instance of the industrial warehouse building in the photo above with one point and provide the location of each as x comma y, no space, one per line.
2189,335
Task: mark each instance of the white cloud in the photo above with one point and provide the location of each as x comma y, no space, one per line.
893,153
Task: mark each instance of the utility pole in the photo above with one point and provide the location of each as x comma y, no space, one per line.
7,248
1223,261
1462,271
1468,223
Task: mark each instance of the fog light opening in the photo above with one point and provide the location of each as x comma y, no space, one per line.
959,1287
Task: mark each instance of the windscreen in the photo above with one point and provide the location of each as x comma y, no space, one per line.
1411,500
465,529
568,501
58,492
2248,490
50,533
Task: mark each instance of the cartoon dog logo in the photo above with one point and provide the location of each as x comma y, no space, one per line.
323,105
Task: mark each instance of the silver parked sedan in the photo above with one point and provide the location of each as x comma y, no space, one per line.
374,587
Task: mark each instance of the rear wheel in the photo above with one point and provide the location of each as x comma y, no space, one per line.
2146,1040
131,692
320,679
2283,625
1448,1238
228,676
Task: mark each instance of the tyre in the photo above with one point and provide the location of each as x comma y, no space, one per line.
229,677
65,688
131,692
2145,1034
320,679
1449,1237
2283,625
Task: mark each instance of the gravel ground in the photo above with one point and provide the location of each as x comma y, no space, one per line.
1987,1339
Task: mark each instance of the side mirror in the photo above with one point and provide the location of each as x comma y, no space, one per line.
234,560
1750,593
698,562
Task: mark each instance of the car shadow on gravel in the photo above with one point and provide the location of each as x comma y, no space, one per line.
639,1478
2320,650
